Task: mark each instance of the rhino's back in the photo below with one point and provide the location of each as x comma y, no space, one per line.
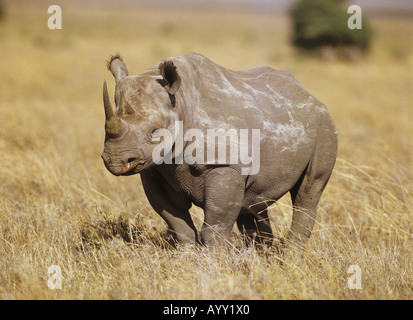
242,99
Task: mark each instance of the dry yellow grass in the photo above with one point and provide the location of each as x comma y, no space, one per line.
59,205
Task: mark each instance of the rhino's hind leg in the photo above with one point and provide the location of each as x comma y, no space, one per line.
255,227
305,197
304,215
306,193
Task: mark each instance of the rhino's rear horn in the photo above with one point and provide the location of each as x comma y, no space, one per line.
117,67
113,124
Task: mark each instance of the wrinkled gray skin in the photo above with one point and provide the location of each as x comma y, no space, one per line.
298,145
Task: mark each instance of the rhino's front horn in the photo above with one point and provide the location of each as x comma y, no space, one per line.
113,124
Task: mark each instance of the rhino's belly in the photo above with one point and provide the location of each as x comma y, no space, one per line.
279,171
268,188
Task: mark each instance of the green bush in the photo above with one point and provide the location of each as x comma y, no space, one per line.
318,23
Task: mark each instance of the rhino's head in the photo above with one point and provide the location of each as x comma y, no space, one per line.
144,103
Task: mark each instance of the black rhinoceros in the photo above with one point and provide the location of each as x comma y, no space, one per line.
282,139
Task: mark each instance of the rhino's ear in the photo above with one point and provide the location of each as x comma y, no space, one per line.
170,75
117,67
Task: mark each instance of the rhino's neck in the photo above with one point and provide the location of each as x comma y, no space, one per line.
184,111
183,108
187,96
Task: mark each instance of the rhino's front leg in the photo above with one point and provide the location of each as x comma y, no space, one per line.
224,193
172,206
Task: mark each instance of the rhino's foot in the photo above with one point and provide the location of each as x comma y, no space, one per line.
296,241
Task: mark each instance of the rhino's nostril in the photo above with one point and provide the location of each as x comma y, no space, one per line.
131,160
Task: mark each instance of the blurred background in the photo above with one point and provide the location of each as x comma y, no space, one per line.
52,119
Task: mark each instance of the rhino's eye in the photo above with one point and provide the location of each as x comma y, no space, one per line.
155,133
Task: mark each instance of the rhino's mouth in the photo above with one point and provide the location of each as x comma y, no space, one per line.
132,166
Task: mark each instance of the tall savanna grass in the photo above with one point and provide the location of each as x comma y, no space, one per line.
59,205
